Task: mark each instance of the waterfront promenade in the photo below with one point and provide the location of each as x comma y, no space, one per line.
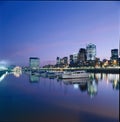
88,69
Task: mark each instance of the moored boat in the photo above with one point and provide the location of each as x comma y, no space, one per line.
81,81
74,74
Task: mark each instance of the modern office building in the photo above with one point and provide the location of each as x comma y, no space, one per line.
119,61
91,52
119,50
61,61
82,55
34,63
65,60
58,60
114,54
71,59
75,58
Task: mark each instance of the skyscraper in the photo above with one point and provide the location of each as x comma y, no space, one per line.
58,60
34,63
75,58
82,55
119,48
91,51
71,59
65,59
114,54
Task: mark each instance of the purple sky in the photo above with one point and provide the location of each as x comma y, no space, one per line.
51,29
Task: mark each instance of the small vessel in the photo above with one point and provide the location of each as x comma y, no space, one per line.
74,74
79,81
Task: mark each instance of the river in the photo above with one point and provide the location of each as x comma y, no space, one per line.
31,98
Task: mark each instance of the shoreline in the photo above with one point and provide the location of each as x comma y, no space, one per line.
91,69
87,69
104,71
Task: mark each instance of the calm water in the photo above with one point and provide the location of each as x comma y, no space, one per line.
36,99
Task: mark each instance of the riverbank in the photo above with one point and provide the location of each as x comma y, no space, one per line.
88,69
104,70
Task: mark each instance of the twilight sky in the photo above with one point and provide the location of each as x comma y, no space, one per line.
50,29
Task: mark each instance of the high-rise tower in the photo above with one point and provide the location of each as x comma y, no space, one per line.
91,52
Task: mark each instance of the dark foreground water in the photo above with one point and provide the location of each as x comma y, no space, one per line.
37,99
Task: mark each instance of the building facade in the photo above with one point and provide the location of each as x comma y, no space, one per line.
91,52
58,60
82,55
34,63
61,62
71,59
114,54
75,58
65,60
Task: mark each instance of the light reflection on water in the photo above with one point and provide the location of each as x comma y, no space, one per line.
34,98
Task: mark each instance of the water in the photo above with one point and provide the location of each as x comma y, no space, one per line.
28,98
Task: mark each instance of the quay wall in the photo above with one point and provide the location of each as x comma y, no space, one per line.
94,70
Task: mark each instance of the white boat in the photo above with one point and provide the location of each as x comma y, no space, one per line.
74,74
79,81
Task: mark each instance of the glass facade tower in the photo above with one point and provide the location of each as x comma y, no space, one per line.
91,52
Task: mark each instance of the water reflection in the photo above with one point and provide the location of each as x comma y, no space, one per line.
34,78
84,84
17,71
116,85
90,85
109,78
3,75
17,74
83,87
48,98
92,88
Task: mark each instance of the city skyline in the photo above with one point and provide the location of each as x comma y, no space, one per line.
50,29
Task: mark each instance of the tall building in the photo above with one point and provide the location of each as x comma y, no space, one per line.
82,55
114,54
71,59
62,61
58,60
34,63
75,58
119,54
65,60
119,49
91,51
